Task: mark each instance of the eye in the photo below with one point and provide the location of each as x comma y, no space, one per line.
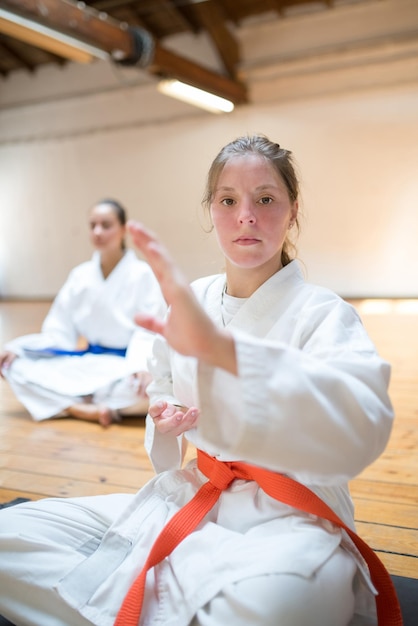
266,200
227,201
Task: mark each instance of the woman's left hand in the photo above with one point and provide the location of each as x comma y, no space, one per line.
169,418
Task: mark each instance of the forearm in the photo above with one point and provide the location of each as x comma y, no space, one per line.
219,351
295,414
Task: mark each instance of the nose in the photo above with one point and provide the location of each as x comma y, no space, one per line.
246,212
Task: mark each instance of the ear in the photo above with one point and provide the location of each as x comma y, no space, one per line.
294,213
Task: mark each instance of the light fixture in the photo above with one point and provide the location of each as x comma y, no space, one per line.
193,95
41,36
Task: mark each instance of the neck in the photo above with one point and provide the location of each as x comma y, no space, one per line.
242,283
109,260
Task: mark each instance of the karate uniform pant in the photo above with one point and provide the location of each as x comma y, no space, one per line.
43,403
37,541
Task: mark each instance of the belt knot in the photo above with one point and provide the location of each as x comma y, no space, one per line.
221,473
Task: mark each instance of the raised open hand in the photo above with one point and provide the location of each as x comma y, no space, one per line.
187,328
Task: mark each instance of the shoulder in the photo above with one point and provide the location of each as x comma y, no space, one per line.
311,303
324,312
311,291
82,269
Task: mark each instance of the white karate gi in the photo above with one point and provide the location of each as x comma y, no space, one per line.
101,311
310,400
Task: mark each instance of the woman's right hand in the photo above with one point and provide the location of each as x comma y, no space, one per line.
187,328
172,419
6,359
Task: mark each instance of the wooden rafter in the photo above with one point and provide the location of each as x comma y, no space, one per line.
210,16
147,13
118,41
9,49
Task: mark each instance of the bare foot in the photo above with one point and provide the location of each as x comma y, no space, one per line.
108,416
94,413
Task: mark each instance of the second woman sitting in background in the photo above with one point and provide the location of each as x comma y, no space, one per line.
49,373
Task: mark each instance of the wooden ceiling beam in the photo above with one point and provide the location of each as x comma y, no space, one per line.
167,64
146,13
106,5
77,21
8,49
171,14
212,21
123,44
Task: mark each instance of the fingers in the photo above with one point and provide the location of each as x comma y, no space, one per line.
188,419
141,236
146,241
149,323
171,419
158,257
156,409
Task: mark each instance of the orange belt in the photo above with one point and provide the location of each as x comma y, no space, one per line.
221,474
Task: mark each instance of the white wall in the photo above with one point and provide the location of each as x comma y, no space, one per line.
347,109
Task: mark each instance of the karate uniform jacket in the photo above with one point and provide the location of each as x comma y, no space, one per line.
101,312
310,400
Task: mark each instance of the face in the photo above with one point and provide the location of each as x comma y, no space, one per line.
106,231
251,213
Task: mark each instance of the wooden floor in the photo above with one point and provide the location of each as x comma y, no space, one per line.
65,457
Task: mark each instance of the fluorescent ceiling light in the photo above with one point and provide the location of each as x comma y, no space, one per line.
47,38
193,95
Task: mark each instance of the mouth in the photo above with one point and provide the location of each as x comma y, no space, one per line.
246,241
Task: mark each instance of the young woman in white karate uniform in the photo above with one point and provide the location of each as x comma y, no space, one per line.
51,373
254,365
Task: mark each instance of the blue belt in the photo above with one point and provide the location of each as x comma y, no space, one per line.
96,349
91,348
